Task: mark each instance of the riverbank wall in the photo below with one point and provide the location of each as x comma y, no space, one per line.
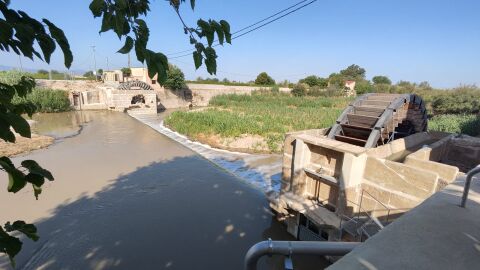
194,95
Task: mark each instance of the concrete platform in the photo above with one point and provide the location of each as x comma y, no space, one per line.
437,234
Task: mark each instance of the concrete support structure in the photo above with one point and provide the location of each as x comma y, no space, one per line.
351,192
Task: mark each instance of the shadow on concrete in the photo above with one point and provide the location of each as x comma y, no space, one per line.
178,214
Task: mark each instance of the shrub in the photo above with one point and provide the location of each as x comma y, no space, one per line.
462,101
175,78
299,90
264,79
126,71
11,77
47,100
466,124
381,80
363,87
275,89
313,80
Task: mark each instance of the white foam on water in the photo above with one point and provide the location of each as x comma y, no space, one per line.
260,170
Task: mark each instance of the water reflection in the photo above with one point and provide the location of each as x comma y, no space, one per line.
60,125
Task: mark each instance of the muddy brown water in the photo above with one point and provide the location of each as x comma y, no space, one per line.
127,197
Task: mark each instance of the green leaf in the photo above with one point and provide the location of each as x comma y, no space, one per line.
120,21
62,41
226,30
5,133
197,58
33,167
218,28
29,230
10,245
19,124
97,7
162,67
107,22
211,60
6,93
16,181
47,45
127,47
122,4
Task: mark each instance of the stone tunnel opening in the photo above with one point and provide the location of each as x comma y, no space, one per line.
138,99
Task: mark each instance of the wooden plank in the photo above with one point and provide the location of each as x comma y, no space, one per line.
369,111
350,140
378,103
362,120
356,131
384,98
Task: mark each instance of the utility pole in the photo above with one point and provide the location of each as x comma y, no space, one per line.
108,66
20,62
129,60
94,62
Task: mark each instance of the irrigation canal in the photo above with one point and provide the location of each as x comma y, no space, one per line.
128,197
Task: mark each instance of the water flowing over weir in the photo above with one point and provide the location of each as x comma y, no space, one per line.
261,170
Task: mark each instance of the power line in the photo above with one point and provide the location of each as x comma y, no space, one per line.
276,19
256,23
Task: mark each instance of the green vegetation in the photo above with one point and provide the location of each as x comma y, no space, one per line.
264,79
42,100
464,100
175,78
381,80
262,113
46,100
313,81
225,81
467,124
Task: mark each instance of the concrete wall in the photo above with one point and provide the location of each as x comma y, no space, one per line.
196,94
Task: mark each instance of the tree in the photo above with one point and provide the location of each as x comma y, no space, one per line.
336,80
363,87
353,73
381,80
26,36
126,71
88,74
313,80
42,71
175,78
99,72
264,79
425,85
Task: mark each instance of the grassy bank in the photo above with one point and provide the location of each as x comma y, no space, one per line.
267,115
47,100
467,124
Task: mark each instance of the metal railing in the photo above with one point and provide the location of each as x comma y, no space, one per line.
468,181
289,248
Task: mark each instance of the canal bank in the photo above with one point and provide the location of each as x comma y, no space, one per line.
127,197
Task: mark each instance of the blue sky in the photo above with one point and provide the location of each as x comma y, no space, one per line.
415,40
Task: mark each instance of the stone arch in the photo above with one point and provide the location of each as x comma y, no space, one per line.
135,85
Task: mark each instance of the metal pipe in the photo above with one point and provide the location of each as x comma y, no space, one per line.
287,248
466,189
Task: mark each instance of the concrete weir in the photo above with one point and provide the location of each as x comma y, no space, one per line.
259,170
